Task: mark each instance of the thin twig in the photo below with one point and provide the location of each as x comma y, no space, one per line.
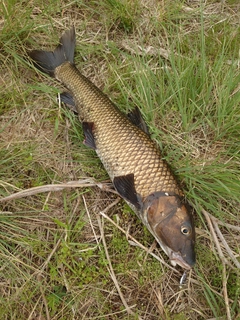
226,246
213,224
90,220
225,293
215,239
44,265
160,304
110,269
44,299
30,316
227,225
58,187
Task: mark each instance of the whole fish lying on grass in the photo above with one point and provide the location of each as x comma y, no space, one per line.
130,157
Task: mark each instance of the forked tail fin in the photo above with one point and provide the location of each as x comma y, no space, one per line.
47,61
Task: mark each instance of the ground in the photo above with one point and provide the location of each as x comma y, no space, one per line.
70,248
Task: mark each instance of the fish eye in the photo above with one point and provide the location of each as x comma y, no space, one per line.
185,230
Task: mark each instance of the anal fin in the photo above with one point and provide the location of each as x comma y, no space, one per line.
88,133
126,189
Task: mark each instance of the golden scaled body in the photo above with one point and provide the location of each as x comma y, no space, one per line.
131,158
122,147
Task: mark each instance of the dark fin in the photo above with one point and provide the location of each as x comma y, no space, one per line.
67,99
47,61
88,133
136,118
126,188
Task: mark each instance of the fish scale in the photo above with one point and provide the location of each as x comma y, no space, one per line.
122,147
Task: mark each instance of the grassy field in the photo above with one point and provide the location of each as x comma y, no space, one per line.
68,253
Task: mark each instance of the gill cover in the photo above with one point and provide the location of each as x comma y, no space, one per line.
172,224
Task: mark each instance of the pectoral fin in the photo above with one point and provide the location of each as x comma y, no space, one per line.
88,133
126,188
136,118
67,99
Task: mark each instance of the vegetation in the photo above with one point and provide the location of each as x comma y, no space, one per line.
68,254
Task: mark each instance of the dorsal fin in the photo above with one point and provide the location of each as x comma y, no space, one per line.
136,118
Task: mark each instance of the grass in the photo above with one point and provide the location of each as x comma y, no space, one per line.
179,63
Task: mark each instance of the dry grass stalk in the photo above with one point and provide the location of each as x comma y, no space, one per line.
211,225
110,268
58,187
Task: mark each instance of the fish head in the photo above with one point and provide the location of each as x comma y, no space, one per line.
170,221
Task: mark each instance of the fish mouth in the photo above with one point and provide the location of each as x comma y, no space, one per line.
176,258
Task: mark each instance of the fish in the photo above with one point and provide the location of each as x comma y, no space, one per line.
131,158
